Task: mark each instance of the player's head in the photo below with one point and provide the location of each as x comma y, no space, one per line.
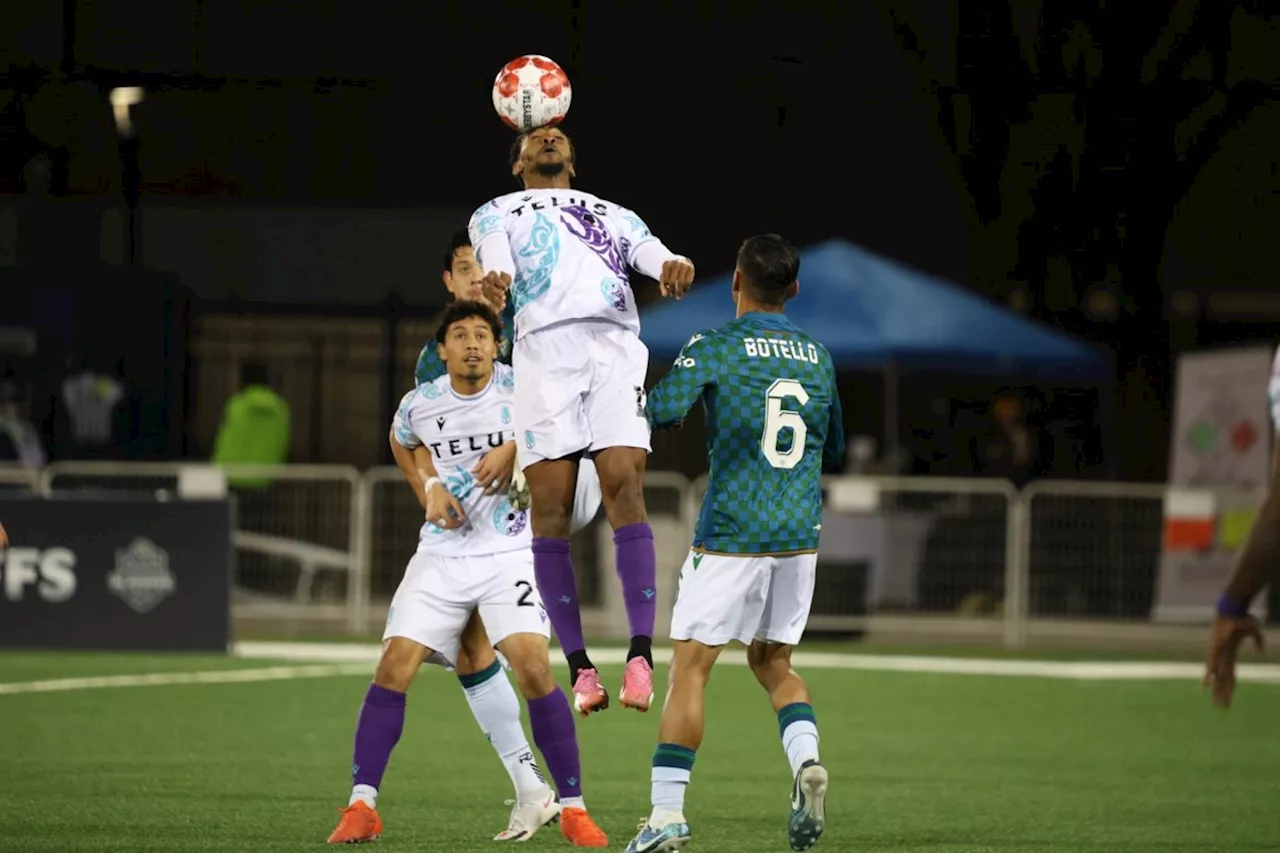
467,339
767,272
462,272
544,153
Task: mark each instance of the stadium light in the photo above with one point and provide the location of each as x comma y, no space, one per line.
122,99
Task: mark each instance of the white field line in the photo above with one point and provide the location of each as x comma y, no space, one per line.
347,659
160,679
1071,670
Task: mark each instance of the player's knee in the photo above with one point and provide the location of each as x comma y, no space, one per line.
398,665
531,664
474,651
551,520
771,665
621,471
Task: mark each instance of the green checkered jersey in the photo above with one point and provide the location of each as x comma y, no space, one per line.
431,368
773,422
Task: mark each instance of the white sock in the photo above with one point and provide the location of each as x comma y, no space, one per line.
669,785
497,709
573,803
366,794
800,740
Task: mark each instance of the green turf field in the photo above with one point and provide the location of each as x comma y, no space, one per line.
919,762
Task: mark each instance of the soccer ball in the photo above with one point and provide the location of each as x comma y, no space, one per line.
530,92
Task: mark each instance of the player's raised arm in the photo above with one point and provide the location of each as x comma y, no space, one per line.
833,448
695,369
492,246
647,255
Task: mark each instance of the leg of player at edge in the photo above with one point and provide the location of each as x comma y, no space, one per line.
680,735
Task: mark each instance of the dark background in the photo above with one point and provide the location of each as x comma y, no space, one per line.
1107,168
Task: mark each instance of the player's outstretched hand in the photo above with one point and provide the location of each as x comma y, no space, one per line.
443,509
494,469
1220,662
494,287
677,277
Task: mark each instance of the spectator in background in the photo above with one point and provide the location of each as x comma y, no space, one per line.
1009,448
255,428
19,439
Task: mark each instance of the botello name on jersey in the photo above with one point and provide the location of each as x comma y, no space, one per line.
599,208
447,449
780,348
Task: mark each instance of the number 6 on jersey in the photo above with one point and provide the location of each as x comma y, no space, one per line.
777,419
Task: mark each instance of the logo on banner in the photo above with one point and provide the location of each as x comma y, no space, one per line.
142,578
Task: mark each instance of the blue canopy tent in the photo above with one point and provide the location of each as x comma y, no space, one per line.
874,314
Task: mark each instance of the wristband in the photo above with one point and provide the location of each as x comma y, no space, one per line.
1228,609
431,481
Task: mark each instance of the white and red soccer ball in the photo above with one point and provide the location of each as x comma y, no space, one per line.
531,91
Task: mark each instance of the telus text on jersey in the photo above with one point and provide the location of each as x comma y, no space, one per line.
599,208
780,348
472,444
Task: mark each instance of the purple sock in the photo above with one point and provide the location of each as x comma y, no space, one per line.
557,740
633,545
553,569
377,732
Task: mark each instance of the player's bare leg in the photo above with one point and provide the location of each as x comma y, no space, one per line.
496,708
679,736
771,663
378,731
553,731
621,472
552,483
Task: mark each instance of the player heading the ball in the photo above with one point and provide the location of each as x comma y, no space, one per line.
581,369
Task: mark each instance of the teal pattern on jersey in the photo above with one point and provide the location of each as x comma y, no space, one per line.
773,422
430,367
542,253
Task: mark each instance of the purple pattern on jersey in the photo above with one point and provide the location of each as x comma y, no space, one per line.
594,233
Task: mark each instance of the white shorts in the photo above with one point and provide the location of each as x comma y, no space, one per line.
437,595
579,386
721,598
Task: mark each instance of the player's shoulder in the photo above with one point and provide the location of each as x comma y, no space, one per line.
498,206
504,379
428,396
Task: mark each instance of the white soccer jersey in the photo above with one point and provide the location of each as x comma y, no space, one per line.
568,254
458,431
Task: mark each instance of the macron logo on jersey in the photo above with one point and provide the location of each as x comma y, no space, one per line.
440,424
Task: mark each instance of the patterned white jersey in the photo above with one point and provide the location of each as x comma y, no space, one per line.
459,430
1273,390
568,254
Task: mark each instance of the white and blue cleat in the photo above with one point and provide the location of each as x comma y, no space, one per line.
671,836
808,806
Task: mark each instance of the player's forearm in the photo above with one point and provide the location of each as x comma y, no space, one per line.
410,462
649,257
665,412
494,252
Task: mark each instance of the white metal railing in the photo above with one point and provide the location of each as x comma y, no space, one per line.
1058,560
281,541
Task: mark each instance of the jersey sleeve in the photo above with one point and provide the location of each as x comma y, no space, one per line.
694,370
402,423
644,252
490,241
833,449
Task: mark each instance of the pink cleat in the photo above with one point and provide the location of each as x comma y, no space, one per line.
637,684
588,693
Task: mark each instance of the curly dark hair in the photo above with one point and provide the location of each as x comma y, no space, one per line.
463,309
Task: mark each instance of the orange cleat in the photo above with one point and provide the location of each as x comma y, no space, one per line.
359,823
581,830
